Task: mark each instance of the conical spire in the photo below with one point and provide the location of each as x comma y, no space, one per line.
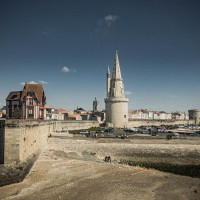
108,82
108,71
116,69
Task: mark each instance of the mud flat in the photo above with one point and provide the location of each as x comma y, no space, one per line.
16,172
73,168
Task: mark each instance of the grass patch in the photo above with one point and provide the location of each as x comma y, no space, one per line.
92,129
186,170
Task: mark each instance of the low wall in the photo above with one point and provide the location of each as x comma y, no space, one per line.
23,138
2,142
140,122
75,125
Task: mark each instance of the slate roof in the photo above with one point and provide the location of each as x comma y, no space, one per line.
14,95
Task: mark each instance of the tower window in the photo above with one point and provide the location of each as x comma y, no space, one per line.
124,116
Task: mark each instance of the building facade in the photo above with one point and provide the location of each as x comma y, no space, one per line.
156,115
26,104
116,104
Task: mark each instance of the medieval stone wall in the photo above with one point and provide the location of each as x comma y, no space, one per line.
139,122
23,138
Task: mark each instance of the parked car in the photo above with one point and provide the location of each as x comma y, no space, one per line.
84,132
109,130
153,131
131,129
171,135
99,131
161,129
194,134
143,129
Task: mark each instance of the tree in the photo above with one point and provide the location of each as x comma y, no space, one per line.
16,113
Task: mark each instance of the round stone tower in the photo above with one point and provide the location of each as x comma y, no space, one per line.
116,104
194,115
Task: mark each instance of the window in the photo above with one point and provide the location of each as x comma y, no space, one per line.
30,111
31,102
124,116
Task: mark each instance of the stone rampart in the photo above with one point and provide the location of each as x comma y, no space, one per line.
75,125
23,138
140,122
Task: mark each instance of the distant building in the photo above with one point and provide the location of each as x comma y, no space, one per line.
194,114
56,114
75,116
80,111
85,116
26,104
95,105
49,112
64,112
3,112
116,104
156,115
179,116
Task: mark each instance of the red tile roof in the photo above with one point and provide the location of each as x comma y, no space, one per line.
74,115
63,111
36,88
46,106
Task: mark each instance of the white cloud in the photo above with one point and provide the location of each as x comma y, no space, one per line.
109,19
104,24
128,93
43,82
65,69
31,82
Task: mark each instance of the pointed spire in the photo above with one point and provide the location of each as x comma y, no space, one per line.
116,69
108,71
108,82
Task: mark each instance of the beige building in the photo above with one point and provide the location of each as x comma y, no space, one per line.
194,115
116,103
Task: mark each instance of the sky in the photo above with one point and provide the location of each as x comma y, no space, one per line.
67,45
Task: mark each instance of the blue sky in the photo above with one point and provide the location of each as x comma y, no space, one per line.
67,45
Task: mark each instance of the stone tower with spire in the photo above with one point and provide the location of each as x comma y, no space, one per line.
95,105
115,102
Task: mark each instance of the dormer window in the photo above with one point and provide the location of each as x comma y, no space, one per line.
14,96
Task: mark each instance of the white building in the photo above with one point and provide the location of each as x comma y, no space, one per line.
156,115
116,103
